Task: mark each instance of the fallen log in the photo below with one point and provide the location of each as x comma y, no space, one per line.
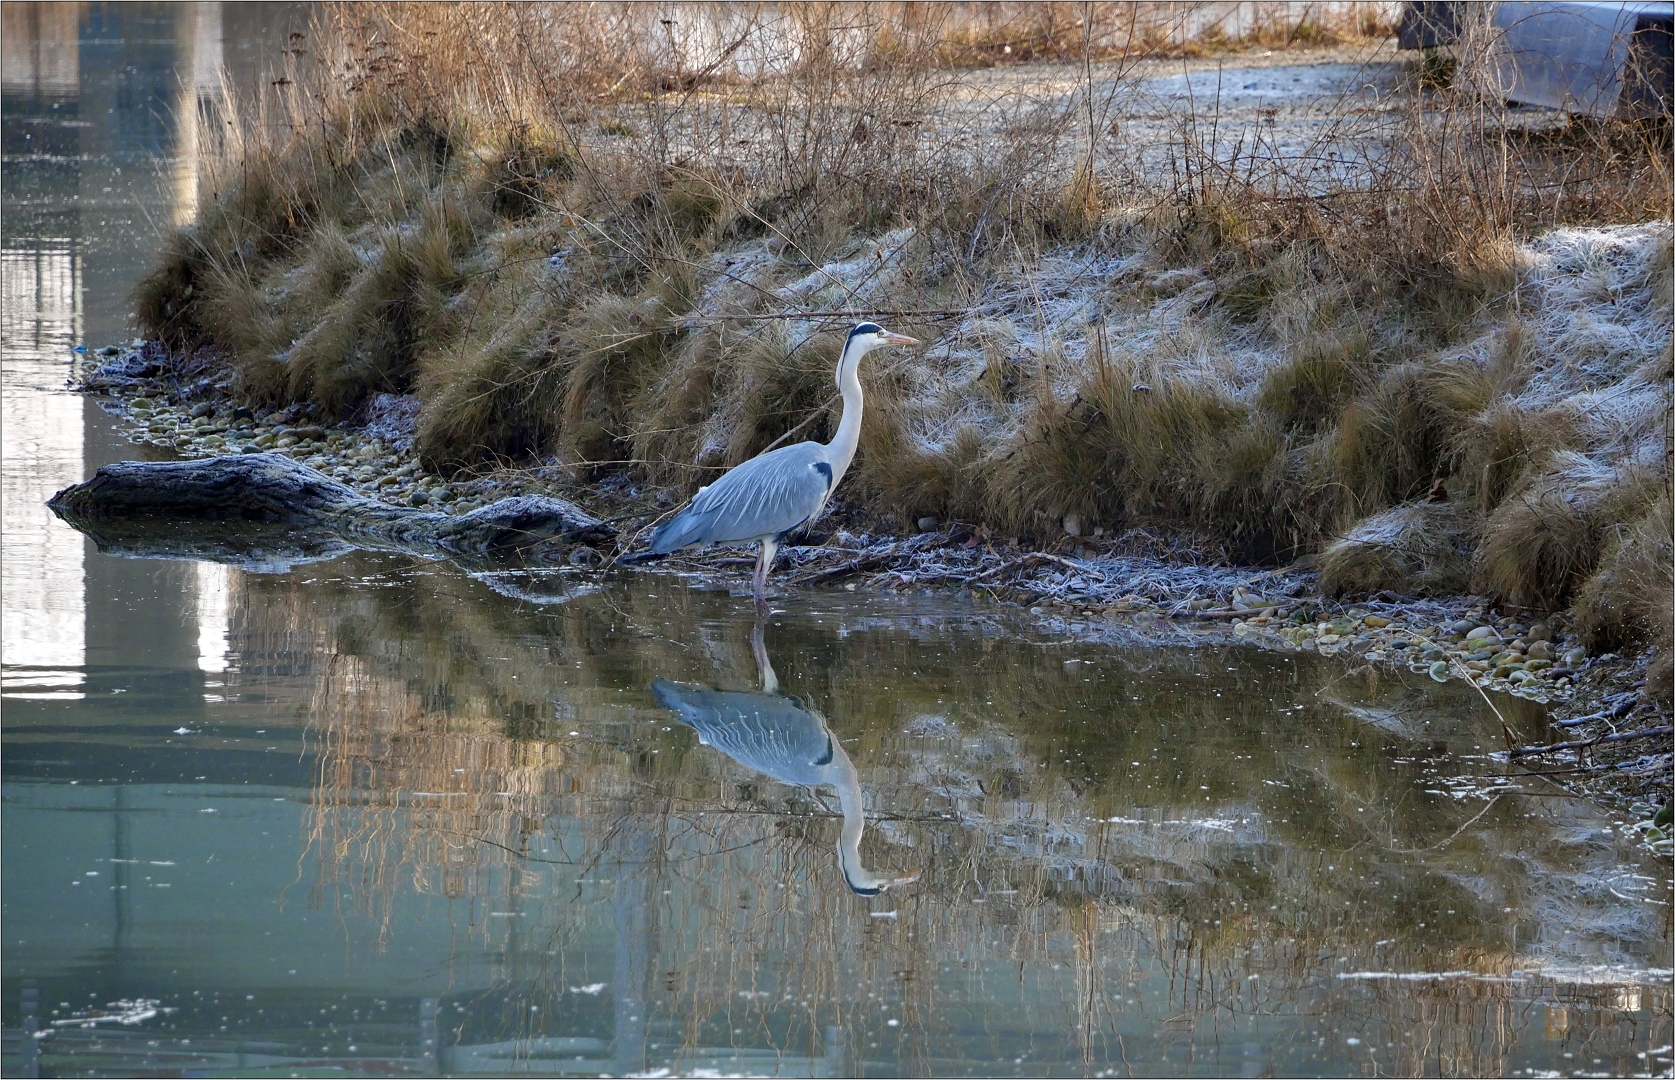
268,508
1661,731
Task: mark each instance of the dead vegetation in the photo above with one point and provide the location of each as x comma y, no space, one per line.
1419,335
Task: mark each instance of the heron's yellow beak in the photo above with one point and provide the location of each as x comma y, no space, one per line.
898,339
899,880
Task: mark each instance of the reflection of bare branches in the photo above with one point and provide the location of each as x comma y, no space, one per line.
447,768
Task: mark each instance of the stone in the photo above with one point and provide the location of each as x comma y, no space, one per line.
1541,649
927,523
1460,627
1438,670
1539,631
203,408
1481,633
1377,622
418,498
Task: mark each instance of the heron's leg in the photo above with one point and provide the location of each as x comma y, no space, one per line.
759,587
770,681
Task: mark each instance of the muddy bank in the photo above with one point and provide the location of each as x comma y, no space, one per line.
304,490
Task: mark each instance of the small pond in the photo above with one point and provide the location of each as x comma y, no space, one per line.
377,815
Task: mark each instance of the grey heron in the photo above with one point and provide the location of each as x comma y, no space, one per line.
766,497
774,735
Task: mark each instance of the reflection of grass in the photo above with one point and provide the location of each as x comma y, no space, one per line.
427,784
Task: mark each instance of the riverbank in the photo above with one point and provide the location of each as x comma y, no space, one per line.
1319,312
1605,708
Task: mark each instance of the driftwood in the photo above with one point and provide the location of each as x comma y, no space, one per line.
1661,731
267,511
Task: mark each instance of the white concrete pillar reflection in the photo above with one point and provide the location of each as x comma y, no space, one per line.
212,608
40,52
43,641
201,43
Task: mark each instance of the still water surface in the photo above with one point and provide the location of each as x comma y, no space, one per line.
388,816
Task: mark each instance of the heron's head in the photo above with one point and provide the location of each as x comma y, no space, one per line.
863,883
868,336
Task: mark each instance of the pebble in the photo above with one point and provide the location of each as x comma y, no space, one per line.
1540,649
418,498
203,408
1439,670
1482,633
1377,622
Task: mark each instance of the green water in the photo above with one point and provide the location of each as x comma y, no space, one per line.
380,816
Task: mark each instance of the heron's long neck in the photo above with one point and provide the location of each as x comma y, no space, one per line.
841,774
848,435
848,784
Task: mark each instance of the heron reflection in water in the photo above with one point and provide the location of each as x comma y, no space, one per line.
774,735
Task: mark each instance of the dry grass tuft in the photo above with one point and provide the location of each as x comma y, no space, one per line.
1631,596
1545,539
1417,549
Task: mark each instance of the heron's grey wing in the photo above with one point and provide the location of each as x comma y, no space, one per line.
768,733
766,495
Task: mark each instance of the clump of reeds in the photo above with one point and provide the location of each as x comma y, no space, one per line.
583,235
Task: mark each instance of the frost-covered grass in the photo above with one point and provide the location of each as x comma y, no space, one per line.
1375,322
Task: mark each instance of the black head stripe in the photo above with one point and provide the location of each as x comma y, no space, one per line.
867,328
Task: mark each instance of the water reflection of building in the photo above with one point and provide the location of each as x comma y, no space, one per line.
42,635
101,128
